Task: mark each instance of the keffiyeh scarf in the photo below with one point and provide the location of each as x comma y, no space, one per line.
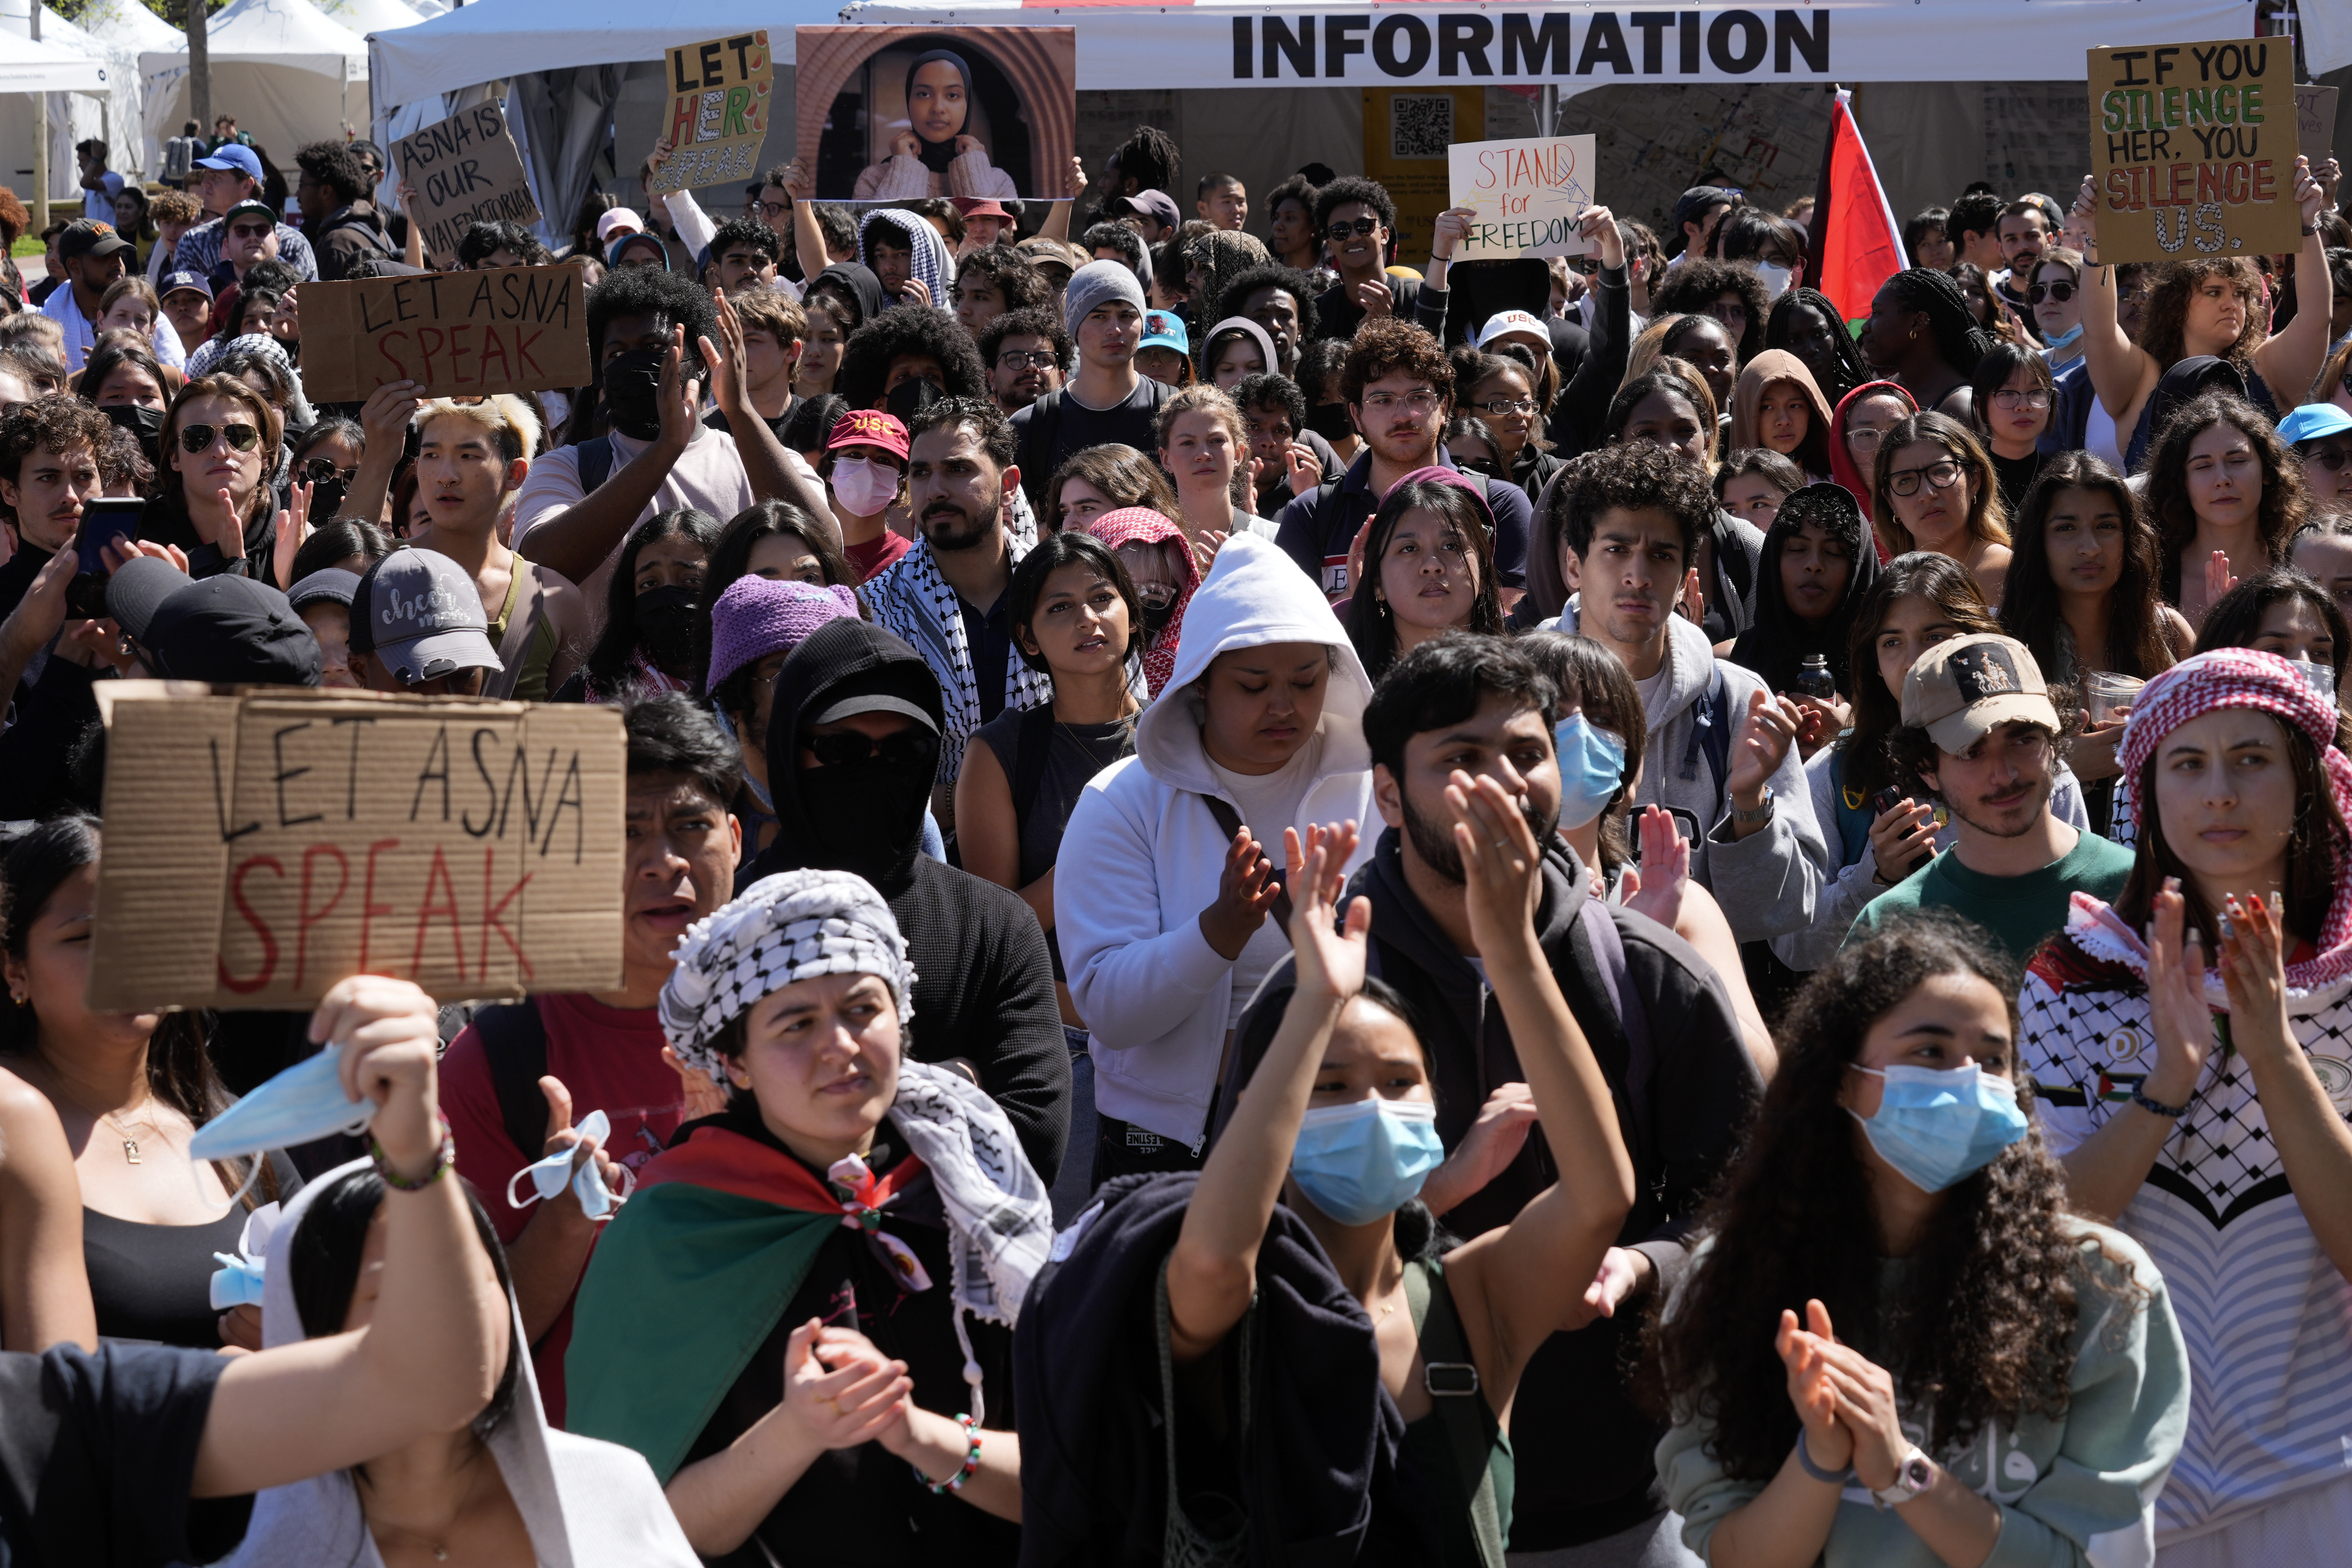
912,601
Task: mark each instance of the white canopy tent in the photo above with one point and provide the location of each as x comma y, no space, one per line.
112,32
289,74
491,40
28,73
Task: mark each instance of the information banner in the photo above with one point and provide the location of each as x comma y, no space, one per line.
719,92
1527,195
262,844
512,329
466,171
2193,148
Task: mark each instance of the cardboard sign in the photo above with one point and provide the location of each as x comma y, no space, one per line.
466,171
262,844
2193,147
895,114
1529,195
513,328
717,111
2314,122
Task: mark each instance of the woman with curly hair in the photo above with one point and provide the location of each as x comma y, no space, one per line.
1429,569
1923,334
2225,495
2210,305
1972,1367
2221,1143
1733,293
1933,488
1806,322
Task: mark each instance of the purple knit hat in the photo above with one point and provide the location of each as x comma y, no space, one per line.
760,616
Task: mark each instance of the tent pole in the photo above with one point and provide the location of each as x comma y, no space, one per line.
200,71
40,143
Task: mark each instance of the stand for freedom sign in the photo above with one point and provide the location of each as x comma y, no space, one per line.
1527,195
2192,149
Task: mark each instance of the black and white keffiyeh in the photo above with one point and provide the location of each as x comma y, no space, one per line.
912,601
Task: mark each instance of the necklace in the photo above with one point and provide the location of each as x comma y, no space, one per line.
130,1140
439,1547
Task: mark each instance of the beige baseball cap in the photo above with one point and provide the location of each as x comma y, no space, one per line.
1959,691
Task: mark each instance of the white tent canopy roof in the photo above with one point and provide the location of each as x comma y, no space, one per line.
489,40
1335,43
45,66
366,17
292,33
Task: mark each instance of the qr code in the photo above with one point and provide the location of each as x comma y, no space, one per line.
1420,125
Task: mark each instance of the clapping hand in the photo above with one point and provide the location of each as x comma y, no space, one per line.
1329,954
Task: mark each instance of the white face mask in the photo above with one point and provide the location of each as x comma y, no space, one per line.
862,486
1776,278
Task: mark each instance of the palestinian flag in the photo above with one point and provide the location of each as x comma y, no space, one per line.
1856,245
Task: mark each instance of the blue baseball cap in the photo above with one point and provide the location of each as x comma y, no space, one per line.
1164,329
2313,421
174,281
234,155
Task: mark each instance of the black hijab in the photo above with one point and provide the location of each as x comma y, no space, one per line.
937,155
1481,290
1775,646
861,282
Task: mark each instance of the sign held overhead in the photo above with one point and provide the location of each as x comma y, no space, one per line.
262,844
2193,149
514,329
1527,193
720,91
466,171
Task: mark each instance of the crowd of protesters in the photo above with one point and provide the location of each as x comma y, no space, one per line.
1699,926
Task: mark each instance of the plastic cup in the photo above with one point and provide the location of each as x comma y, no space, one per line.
2109,696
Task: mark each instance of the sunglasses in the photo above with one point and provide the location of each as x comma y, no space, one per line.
901,748
194,438
2037,292
1343,228
2332,458
319,470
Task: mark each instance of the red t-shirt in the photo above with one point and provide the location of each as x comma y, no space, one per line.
869,559
610,1058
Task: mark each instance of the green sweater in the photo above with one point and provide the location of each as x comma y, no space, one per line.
2070,1491
2018,910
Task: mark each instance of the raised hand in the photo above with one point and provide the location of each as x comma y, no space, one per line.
1899,835
703,1095
1599,225
1828,1442
1305,469
1624,1274
1245,890
1376,298
1452,229
915,292
293,528
1693,602
2218,579
2253,973
1658,886
562,1134
1486,1150
1761,745
2175,994
1502,865
390,1035
677,395
1329,955
2309,193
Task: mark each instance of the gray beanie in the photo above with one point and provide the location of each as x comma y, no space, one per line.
1094,283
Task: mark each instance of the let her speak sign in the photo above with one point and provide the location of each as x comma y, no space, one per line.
1529,195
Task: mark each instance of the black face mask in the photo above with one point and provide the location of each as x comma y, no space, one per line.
910,398
147,424
633,393
666,628
1329,420
327,497
867,816
1157,613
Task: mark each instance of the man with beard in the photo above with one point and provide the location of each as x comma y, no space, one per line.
1455,711
948,595
1024,351
1720,754
854,732
1399,390
1982,731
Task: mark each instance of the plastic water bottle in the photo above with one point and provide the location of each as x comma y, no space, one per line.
1814,679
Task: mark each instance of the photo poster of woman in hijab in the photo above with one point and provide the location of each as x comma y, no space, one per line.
720,91
895,114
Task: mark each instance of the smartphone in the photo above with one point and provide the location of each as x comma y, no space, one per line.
103,521
1887,800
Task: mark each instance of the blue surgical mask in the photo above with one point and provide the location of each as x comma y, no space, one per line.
549,1176
1941,1127
301,1105
1368,1158
2063,339
1592,769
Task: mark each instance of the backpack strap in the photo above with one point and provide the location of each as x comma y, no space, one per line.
514,1044
1034,743
525,607
1609,955
1041,436
1458,1401
1710,732
1229,821
595,464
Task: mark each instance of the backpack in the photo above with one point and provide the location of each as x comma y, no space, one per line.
1041,437
595,464
1711,732
514,1046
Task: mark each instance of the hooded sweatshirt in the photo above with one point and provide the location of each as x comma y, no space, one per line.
1136,524
1841,465
934,267
861,282
583,1501
1748,399
984,985
1769,882
1157,997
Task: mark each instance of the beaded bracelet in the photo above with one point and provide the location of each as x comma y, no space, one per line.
954,1483
2158,1107
443,1158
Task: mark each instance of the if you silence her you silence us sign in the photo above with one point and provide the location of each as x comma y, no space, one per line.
262,844
512,329
2193,149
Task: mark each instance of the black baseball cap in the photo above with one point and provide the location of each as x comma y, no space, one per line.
232,630
84,237
1695,202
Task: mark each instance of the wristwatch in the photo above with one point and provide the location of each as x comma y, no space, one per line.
1761,814
1915,1475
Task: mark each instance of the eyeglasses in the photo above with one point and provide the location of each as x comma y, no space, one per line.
1862,439
2332,458
1420,402
771,210
1942,475
1016,359
1507,405
319,470
2060,292
1342,229
194,438
901,748
2037,398
1486,466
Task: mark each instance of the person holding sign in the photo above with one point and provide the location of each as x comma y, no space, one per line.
2203,304
933,156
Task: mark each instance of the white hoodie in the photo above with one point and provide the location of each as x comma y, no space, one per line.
1143,856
